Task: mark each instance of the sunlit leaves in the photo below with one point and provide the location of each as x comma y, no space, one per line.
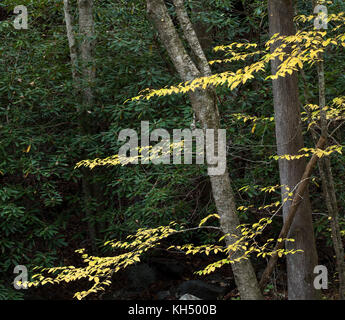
311,151
99,270
294,52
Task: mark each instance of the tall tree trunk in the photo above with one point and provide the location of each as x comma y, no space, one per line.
289,137
205,108
327,179
73,48
329,187
86,31
83,86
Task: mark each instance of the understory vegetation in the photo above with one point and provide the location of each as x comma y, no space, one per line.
78,219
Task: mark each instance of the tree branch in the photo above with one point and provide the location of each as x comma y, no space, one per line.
297,199
192,37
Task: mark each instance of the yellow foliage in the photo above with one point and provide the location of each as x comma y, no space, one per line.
99,270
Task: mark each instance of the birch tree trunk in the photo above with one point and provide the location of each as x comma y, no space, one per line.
289,137
205,107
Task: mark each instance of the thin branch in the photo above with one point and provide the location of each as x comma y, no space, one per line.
291,214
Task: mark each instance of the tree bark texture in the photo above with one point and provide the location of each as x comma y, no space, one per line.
205,107
289,138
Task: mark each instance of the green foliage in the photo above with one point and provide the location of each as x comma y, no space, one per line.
42,208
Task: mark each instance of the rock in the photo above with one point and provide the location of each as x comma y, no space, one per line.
201,289
117,295
189,297
168,267
140,277
162,295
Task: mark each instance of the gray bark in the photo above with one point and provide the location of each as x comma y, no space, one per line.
72,43
205,108
204,33
190,35
86,31
289,137
83,86
328,186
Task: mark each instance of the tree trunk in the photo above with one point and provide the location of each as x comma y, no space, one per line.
205,108
289,137
327,179
328,186
83,86
296,201
86,31
73,49
204,34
